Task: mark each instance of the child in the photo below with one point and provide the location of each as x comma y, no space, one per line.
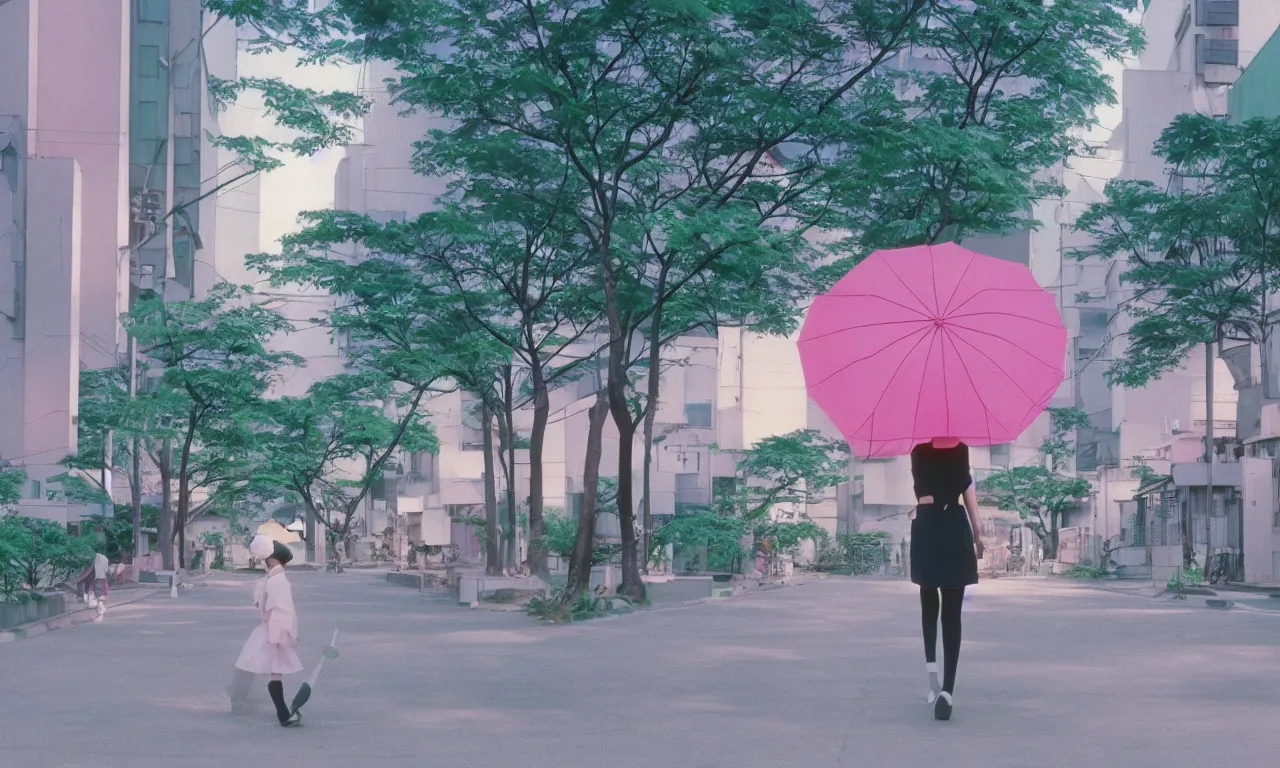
270,647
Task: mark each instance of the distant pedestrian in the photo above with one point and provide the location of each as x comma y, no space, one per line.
270,647
101,583
945,547
93,584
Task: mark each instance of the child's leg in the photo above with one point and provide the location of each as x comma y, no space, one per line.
276,689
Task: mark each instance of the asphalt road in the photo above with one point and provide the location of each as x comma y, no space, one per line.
824,675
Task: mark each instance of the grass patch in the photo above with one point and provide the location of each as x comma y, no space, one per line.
1085,571
559,609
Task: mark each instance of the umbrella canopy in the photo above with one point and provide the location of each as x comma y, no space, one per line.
932,341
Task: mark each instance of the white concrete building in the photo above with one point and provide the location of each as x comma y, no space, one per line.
93,158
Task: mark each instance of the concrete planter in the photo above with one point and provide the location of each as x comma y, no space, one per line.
12,614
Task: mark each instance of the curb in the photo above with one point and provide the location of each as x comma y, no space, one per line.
82,615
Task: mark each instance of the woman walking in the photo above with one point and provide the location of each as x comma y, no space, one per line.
945,547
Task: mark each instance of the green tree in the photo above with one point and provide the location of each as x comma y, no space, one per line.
38,553
777,479
995,93
1042,493
11,483
705,133
329,448
215,368
1201,253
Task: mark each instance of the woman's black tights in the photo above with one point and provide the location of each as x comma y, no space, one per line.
952,599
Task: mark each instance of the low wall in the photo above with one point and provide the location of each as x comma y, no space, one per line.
1130,557
1166,561
17,614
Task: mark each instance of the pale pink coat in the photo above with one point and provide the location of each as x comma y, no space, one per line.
270,647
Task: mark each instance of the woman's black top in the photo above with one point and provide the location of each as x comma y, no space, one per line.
942,473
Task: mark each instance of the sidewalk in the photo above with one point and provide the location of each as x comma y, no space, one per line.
82,614
1240,597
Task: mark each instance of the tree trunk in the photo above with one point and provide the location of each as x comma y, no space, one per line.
313,526
646,499
651,415
184,492
165,537
584,542
492,544
1210,457
632,585
512,556
1051,541
537,438
135,493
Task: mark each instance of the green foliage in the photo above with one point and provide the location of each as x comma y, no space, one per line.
35,553
1042,493
306,442
562,608
937,153
1086,571
798,467
114,534
857,554
1189,576
721,536
11,484
1202,251
560,532
1143,472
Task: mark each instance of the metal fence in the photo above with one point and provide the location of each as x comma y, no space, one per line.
859,558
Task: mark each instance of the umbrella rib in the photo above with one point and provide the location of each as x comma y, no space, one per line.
1007,314
858,328
915,419
905,285
987,414
976,294
933,279
1019,347
898,304
879,399
959,282
842,368
999,368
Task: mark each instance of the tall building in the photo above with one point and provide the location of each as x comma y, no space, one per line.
107,189
64,205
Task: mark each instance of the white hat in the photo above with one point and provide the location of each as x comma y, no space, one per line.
261,547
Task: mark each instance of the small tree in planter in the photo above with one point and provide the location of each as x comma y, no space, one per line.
38,552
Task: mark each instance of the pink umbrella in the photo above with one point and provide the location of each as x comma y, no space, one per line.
932,341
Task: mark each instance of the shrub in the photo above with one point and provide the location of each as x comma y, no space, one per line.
856,554
35,552
559,609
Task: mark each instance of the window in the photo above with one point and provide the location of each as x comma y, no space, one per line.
723,487
148,61
422,468
1218,13
1210,51
386,217
689,489
1000,455
698,415
472,429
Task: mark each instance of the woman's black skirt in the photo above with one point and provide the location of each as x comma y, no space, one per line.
942,553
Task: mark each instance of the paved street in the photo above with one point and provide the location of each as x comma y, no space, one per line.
828,674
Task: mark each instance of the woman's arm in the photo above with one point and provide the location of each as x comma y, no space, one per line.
975,522
921,497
